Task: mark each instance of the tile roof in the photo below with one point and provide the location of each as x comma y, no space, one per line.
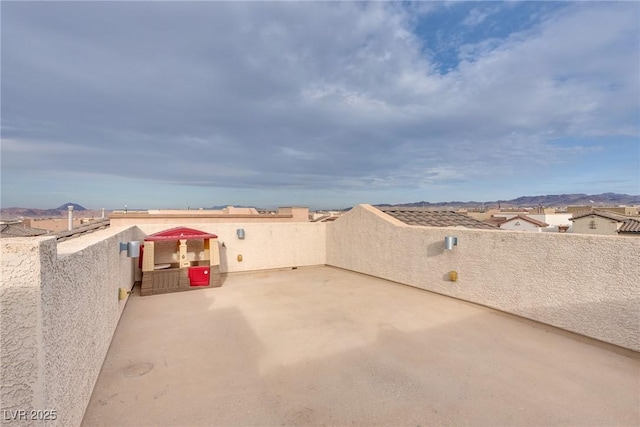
19,230
600,213
527,219
85,229
495,220
420,216
326,218
630,226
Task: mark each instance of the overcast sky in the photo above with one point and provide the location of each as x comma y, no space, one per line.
196,104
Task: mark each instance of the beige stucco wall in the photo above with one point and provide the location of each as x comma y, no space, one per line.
229,216
604,226
167,220
520,225
59,302
581,283
53,224
554,220
226,211
621,210
265,246
21,350
59,307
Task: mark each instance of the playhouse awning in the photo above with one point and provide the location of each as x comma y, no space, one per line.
179,233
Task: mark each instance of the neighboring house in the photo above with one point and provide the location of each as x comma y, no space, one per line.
54,225
604,223
420,216
495,220
558,222
229,214
18,229
620,210
522,223
630,227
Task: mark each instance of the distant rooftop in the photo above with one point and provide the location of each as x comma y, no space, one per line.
601,213
20,230
631,225
85,229
527,219
421,216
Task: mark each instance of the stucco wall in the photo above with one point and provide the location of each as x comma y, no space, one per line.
21,351
59,302
55,224
229,215
520,225
553,219
603,226
585,284
265,246
60,309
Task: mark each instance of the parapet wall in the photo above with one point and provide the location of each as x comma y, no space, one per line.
59,310
229,215
265,245
580,283
59,302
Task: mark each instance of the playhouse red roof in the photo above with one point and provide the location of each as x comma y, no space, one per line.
179,233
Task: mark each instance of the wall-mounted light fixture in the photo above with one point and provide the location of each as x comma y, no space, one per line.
450,242
132,248
240,233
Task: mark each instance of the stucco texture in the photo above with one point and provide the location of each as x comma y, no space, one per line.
21,349
601,226
60,308
584,284
265,246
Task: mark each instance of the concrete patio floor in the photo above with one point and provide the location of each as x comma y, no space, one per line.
323,346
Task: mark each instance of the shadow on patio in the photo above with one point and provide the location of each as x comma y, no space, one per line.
323,346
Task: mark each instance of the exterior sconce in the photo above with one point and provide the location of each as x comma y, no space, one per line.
122,293
132,248
450,242
240,233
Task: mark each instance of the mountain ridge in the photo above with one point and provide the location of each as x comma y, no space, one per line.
548,200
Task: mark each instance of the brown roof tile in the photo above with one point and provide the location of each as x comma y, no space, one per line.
419,216
600,213
630,226
527,219
494,220
19,230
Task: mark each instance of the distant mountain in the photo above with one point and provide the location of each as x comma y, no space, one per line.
576,200
41,213
551,200
29,213
76,207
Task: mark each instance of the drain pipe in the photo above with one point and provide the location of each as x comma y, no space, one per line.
70,207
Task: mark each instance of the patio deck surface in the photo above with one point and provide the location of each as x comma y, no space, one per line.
324,346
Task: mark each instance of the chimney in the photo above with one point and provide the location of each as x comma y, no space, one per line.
70,227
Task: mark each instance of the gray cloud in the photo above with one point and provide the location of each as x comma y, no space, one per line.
310,95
